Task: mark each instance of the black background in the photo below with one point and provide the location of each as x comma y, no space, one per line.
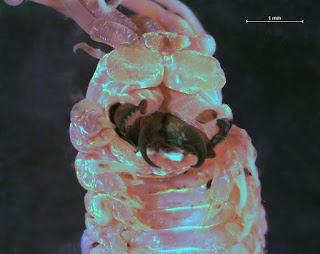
272,87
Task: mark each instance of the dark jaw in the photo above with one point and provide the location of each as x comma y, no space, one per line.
164,132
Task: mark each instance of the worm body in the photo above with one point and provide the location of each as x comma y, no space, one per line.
165,169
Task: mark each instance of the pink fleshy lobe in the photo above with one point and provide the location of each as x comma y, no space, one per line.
108,237
106,92
86,242
89,128
191,72
165,42
203,43
188,107
135,65
93,175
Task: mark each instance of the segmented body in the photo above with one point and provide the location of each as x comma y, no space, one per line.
134,206
177,212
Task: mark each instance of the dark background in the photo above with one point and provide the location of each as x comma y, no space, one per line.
272,87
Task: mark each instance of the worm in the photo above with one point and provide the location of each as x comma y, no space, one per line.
165,168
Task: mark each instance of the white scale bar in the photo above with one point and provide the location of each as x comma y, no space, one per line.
274,21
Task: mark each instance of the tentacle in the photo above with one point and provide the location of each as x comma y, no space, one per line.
181,9
175,24
120,18
146,24
189,25
108,32
80,14
96,53
114,15
171,21
112,33
145,8
112,5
